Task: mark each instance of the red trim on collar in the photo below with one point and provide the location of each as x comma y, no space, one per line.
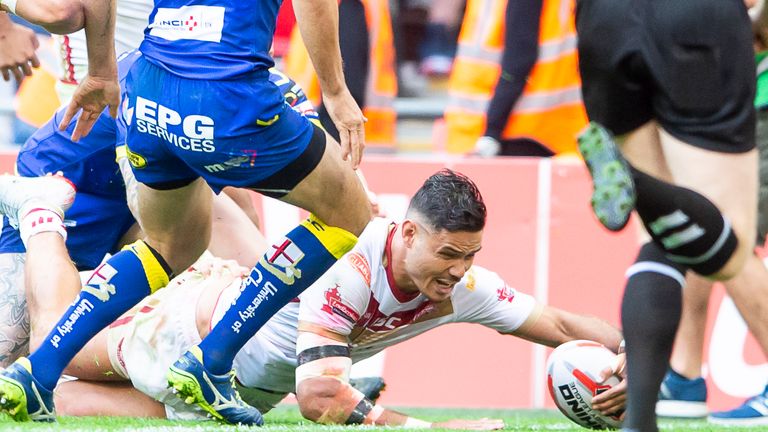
400,295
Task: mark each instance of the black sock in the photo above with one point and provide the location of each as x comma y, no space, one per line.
685,224
650,313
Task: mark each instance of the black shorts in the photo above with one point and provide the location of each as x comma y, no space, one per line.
688,64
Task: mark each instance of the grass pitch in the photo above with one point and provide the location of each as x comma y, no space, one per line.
287,418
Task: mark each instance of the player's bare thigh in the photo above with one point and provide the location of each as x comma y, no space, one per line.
729,180
642,148
333,192
85,398
168,216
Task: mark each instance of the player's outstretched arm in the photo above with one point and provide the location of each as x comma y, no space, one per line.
553,326
317,20
17,49
325,396
99,89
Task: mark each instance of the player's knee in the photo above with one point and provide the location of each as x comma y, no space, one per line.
704,241
316,397
348,208
734,264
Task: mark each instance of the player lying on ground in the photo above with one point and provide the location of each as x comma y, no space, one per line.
401,280
99,220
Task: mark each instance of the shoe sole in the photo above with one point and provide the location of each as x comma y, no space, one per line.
13,400
613,195
681,409
188,389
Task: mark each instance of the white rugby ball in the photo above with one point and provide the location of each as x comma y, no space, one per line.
573,373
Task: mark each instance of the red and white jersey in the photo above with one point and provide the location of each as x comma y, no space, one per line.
357,298
132,17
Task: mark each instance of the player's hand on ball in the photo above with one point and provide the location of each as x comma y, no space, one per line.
481,424
350,122
613,401
91,97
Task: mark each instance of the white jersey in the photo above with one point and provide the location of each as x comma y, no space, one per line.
358,299
132,18
354,298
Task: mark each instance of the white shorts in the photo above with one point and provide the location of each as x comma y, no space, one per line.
147,340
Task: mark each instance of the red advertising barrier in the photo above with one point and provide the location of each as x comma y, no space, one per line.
542,239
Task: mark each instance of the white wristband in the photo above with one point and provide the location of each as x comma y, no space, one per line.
10,4
414,423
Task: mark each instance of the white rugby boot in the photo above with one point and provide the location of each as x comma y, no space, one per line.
53,192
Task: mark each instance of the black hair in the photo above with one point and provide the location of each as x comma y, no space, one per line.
450,201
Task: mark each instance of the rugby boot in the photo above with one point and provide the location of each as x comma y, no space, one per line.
21,395
215,394
613,195
53,191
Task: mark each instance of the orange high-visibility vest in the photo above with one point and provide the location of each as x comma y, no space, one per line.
549,111
382,81
36,100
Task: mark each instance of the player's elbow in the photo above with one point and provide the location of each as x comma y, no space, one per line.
318,399
59,16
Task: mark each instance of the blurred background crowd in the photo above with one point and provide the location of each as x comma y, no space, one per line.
432,75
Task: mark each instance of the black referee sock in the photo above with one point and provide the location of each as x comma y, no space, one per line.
650,313
685,224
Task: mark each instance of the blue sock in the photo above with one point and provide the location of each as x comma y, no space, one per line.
285,270
115,286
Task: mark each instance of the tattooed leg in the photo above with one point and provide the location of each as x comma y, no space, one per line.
14,318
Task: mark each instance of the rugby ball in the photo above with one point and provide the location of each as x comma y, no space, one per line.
573,373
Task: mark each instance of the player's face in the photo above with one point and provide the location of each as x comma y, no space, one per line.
437,260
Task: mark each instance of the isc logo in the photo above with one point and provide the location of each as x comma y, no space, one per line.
154,119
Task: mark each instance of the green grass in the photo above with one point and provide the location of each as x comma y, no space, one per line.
288,418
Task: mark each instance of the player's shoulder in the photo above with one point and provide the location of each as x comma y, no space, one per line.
481,286
366,257
373,240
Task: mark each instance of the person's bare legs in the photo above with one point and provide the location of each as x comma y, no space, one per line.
177,223
114,399
333,193
51,282
235,235
687,354
14,319
697,223
340,211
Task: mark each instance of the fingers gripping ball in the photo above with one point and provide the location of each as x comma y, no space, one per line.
573,378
